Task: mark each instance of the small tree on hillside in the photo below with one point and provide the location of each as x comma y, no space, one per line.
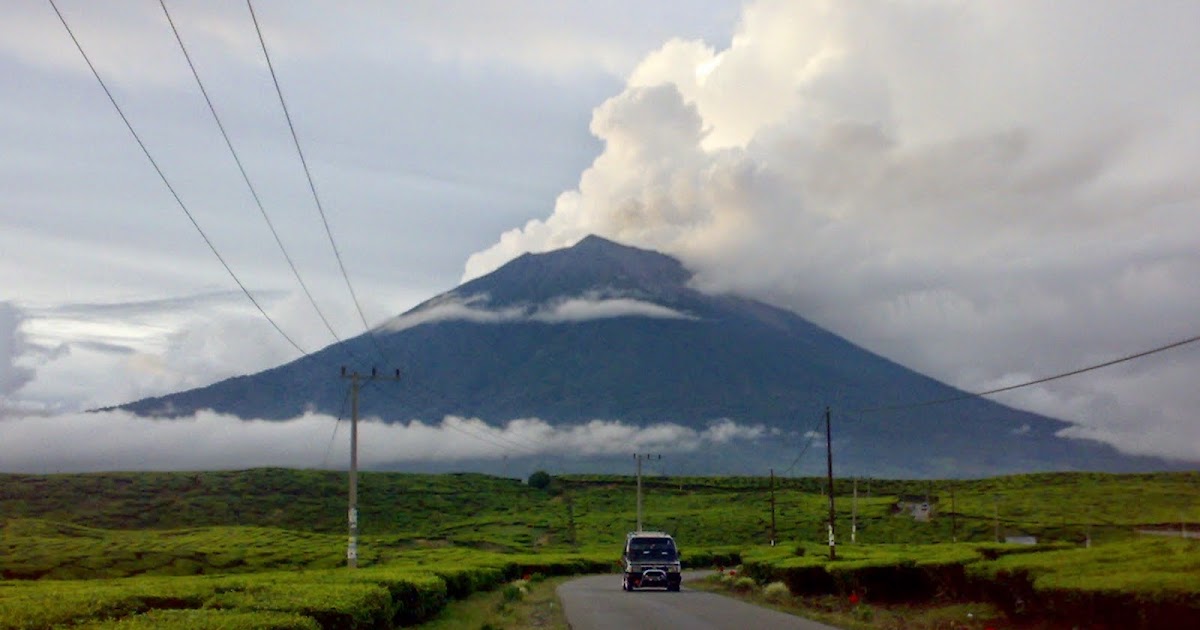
539,480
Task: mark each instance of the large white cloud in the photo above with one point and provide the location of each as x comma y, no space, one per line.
121,441
981,191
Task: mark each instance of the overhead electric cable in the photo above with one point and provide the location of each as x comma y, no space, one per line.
333,436
939,401
246,177
811,433
311,184
167,183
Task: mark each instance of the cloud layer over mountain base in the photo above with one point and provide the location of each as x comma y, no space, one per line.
110,441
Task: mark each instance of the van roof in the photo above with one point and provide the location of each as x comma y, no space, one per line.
647,535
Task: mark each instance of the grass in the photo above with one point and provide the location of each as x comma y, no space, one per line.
536,607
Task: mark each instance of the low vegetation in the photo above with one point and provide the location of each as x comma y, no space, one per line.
265,548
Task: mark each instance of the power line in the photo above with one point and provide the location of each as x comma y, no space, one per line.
811,434
939,401
311,184
531,449
333,436
167,183
245,176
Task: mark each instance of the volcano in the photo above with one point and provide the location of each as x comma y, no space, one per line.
601,330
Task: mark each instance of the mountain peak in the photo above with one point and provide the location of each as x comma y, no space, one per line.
599,243
594,264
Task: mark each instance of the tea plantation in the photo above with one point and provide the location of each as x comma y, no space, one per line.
265,548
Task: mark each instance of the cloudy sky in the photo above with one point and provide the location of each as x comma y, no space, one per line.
986,192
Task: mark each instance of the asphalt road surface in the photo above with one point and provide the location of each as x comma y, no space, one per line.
597,603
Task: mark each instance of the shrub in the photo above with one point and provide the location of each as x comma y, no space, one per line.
512,592
776,592
744,584
539,480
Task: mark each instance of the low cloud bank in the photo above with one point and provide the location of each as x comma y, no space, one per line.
108,441
587,307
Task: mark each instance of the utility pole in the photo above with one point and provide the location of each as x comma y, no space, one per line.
854,514
571,520
829,464
639,459
953,517
996,514
352,514
772,507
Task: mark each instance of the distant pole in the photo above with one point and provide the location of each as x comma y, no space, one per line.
996,514
772,507
571,519
352,512
639,459
854,514
953,517
829,466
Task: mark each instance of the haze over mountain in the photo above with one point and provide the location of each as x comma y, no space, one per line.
604,331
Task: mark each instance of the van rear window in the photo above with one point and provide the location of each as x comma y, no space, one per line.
658,548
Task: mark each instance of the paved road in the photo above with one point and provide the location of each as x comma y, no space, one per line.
597,603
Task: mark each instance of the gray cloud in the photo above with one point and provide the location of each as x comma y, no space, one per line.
1012,199
120,441
12,345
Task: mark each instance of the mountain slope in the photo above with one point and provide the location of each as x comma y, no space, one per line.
601,330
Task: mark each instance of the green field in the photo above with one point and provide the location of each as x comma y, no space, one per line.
265,548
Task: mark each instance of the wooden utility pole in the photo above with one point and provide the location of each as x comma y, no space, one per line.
829,465
352,514
772,507
639,459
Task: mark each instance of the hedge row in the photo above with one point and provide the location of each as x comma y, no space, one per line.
207,619
375,597
1144,584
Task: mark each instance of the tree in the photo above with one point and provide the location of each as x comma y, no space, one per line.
539,480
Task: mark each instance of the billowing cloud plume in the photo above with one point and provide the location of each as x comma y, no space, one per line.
476,309
981,191
209,441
